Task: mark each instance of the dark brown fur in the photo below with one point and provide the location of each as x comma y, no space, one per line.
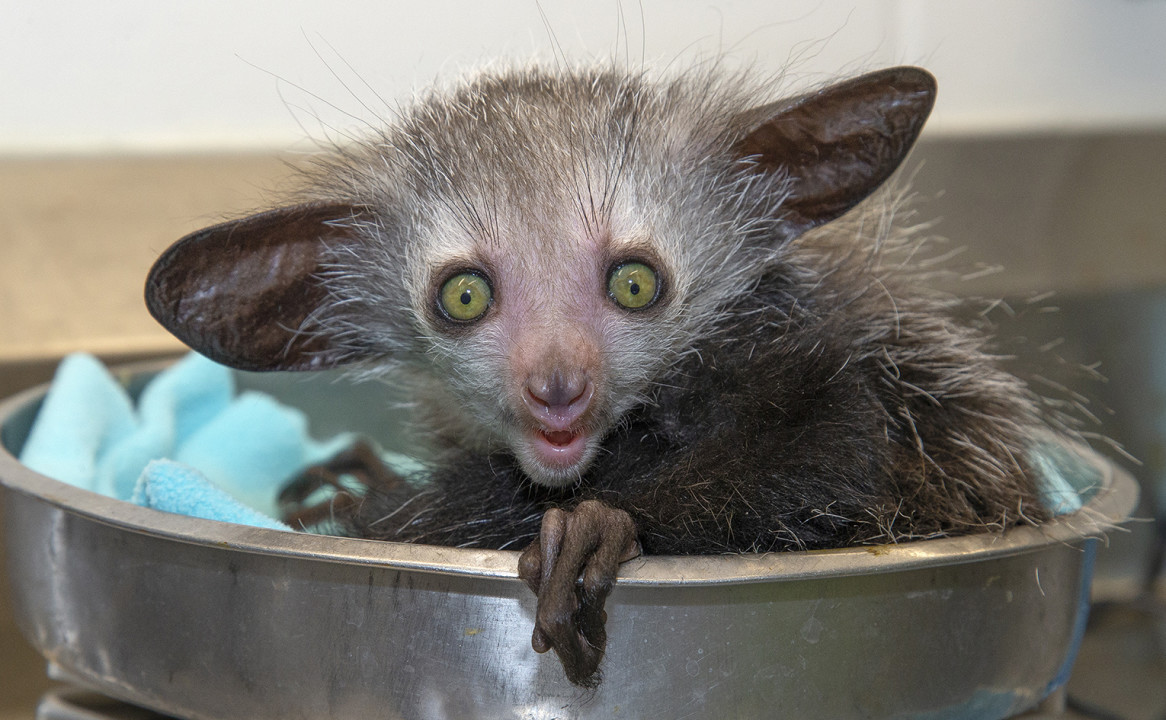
811,417
792,388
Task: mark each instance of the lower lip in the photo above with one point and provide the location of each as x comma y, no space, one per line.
559,449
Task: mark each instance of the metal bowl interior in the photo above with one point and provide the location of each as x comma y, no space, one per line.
158,609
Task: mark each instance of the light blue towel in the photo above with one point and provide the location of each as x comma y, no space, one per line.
85,416
227,455
177,488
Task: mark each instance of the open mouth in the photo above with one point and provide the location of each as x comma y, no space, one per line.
558,438
558,449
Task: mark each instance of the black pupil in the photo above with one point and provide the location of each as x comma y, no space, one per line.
466,297
635,288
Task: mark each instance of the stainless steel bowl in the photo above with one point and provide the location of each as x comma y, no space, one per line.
201,619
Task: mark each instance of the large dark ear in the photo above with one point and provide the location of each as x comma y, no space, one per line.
837,145
241,292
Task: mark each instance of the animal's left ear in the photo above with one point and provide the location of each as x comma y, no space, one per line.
243,292
837,145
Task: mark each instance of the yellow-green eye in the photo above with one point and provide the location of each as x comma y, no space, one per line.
633,285
465,296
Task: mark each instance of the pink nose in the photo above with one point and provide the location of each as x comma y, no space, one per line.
559,400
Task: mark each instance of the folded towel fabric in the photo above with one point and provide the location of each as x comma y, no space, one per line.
227,455
177,488
82,419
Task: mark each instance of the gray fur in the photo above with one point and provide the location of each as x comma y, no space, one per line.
520,152
790,389
508,158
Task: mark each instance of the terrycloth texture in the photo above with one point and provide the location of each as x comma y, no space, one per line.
229,454
84,416
174,487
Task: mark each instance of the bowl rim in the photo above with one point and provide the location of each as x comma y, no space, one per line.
1108,507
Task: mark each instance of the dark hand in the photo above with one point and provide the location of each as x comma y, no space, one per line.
360,461
571,568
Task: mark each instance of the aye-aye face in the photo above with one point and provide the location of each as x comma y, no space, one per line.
574,240
549,330
543,243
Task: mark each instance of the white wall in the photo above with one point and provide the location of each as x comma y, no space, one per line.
143,75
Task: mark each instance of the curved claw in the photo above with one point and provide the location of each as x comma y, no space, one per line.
572,567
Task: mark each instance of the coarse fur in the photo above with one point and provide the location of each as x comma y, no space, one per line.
824,412
796,394
788,385
524,165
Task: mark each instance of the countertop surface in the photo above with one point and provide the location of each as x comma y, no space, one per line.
78,235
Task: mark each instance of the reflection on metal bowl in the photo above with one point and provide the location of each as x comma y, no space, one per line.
201,619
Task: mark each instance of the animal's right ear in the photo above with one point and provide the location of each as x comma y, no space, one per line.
837,145
244,293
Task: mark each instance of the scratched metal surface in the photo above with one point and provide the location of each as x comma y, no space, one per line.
158,609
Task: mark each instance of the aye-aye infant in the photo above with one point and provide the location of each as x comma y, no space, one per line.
628,319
